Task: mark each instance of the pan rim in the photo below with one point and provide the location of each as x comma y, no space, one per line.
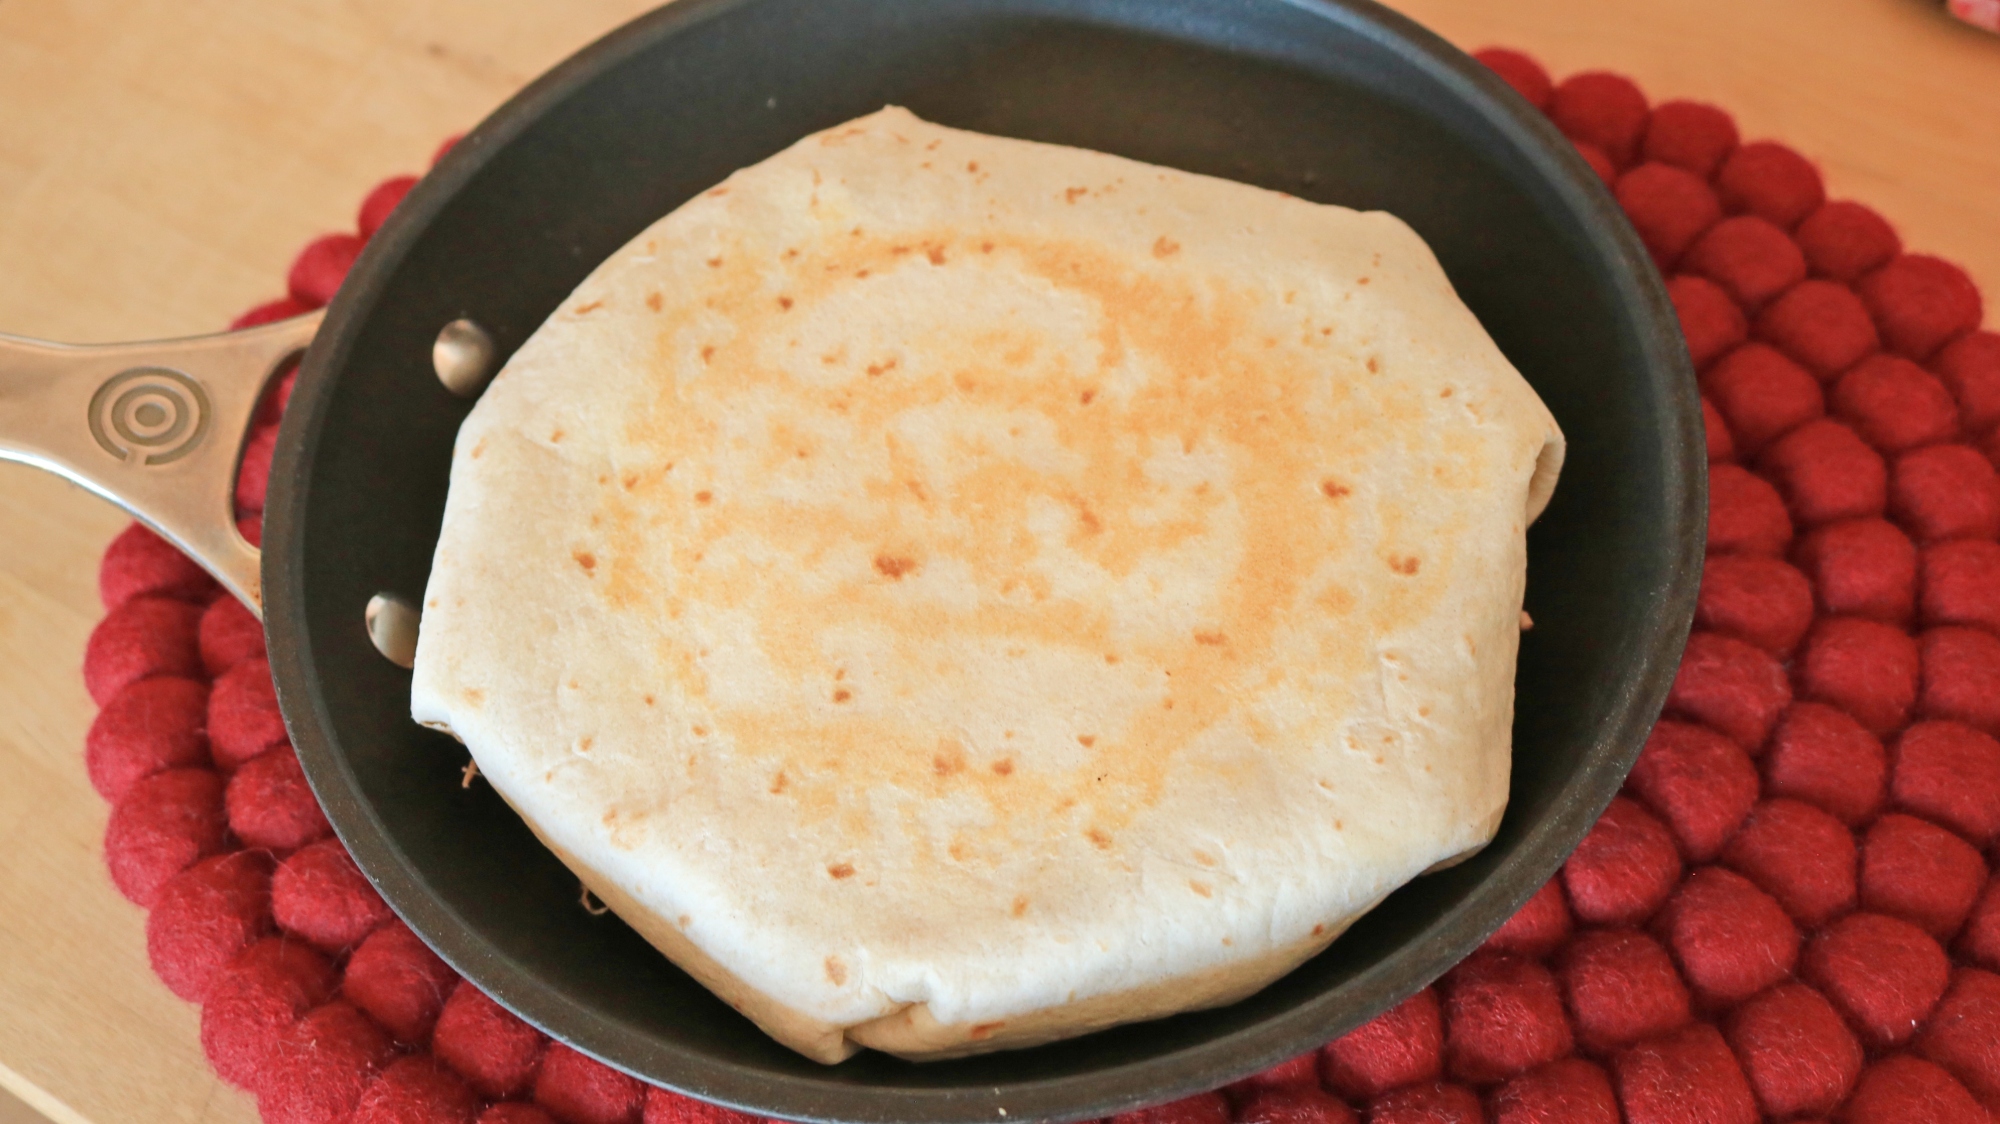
1439,944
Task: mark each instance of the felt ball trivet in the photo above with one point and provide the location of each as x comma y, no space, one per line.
1789,913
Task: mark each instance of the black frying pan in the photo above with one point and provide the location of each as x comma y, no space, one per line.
1334,100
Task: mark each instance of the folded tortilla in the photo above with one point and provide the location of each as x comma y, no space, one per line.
950,593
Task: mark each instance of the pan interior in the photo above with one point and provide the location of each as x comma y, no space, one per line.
1341,103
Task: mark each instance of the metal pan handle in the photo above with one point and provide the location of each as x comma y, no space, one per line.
156,428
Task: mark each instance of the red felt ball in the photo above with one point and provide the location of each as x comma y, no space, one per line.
1624,869
1539,927
271,805
139,563
1821,755
664,1106
1603,109
1404,1044
254,1000
1202,1108
492,1049
1918,871
271,312
1732,686
1670,207
1961,676
1749,257
1711,320
1700,782
1822,325
1906,1090
1894,404
1759,600
1844,240
1687,1075
228,635
1828,472
151,726
204,916
1867,668
163,824
1771,181
398,981
380,201
253,475
416,1090
320,268
1799,1055
1295,1104
1569,1091
1945,492
1950,773
1436,1103
1970,366
1961,583
1745,513
515,1112
1503,1015
1621,987
320,1066
1721,447
1861,567
1599,162
1963,1034
1301,1070
1519,71
1732,940
1762,395
243,715
1689,135
580,1090
320,895
1979,941
1884,973
141,638
1799,855
1920,303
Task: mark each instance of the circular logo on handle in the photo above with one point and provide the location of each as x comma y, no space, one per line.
149,413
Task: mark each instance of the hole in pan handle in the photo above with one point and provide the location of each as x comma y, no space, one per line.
156,428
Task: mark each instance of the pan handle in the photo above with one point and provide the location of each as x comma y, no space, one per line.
156,428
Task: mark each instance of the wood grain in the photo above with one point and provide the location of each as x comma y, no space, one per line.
161,161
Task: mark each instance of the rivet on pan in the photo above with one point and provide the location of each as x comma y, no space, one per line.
463,357
392,626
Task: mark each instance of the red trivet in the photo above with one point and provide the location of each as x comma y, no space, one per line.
1787,915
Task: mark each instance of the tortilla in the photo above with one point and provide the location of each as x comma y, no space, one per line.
949,592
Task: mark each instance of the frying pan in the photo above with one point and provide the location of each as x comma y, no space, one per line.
1335,100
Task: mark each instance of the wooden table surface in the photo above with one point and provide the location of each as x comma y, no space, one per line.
161,160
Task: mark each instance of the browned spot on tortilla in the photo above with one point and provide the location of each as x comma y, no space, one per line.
1086,396
1205,859
1334,490
1445,393
841,870
985,1030
935,254
655,301
584,743
791,253
708,353
1004,767
703,496
1072,194
1165,247
859,273
650,700
1086,740
591,306
842,695
894,566
556,436
1319,930
1111,657
585,559
715,263
478,448
836,971
718,192
1211,639
958,850
879,368
785,302
1202,888
700,731
1019,908
1361,281
779,782
474,695
1405,565
948,759
986,247
1374,364
1099,837
972,165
